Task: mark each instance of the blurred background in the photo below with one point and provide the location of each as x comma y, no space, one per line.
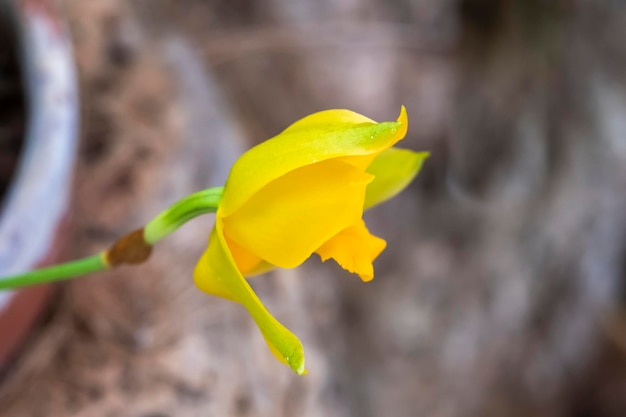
502,288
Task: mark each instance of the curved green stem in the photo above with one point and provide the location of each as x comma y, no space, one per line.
60,272
167,222
185,209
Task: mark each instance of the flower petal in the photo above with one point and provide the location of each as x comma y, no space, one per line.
216,273
244,259
328,118
321,136
287,220
354,248
393,170
247,263
363,161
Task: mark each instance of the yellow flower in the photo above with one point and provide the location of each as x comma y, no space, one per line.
299,193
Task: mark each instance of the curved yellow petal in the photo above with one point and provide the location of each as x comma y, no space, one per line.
288,219
328,118
393,170
247,263
363,161
216,273
403,119
321,136
245,260
354,248
260,268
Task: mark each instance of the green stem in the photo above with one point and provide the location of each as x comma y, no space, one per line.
167,222
67,270
185,209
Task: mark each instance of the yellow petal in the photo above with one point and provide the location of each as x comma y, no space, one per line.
247,263
216,273
354,248
393,170
260,268
321,136
328,118
363,161
244,259
288,219
403,119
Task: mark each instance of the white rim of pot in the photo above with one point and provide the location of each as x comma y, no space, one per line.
39,194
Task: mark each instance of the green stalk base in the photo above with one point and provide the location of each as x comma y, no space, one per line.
67,270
